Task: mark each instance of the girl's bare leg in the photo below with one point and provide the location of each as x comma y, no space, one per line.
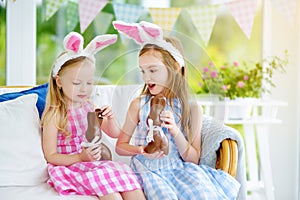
112,196
137,194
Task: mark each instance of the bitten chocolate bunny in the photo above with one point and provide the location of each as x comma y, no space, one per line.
158,141
93,133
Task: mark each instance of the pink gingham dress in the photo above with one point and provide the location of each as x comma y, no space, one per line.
96,178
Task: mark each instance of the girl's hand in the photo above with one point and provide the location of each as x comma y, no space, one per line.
155,155
106,111
91,153
168,122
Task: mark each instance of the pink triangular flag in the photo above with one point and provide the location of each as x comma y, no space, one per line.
243,12
204,18
88,10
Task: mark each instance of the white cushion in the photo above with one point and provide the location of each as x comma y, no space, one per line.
21,156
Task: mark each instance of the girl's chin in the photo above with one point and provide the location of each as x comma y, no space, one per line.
78,101
155,92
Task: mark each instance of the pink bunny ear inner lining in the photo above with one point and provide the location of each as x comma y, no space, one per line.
101,44
131,31
73,43
153,32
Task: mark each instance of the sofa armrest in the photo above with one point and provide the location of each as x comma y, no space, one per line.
219,145
227,157
212,134
216,134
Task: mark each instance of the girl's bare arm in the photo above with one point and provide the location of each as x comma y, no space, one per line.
189,153
110,124
49,143
132,118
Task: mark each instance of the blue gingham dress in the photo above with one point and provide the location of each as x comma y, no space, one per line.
172,178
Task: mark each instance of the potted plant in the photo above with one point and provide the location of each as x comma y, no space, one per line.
232,81
245,79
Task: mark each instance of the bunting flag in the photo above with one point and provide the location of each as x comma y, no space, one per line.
243,12
127,12
88,10
287,8
52,6
204,18
165,17
72,15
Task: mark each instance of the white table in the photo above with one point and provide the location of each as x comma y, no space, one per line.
256,134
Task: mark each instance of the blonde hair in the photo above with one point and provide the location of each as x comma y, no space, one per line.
56,103
177,80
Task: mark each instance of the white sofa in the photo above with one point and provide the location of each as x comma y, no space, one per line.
23,172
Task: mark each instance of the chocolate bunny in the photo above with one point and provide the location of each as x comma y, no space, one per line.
156,137
93,133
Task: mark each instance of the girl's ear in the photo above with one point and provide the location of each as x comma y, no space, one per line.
99,43
58,81
73,42
131,30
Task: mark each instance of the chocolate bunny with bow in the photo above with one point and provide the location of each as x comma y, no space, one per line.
157,140
93,133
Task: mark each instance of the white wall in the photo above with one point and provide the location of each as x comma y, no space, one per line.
284,139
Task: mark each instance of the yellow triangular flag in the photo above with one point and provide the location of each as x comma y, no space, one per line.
165,17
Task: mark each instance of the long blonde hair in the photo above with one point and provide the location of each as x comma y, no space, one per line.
56,103
177,80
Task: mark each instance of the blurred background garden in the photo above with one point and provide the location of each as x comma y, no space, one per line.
118,64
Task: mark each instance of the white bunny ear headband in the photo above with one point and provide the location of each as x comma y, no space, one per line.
73,44
147,33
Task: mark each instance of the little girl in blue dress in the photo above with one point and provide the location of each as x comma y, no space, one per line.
178,174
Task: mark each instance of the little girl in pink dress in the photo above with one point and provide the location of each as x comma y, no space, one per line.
74,169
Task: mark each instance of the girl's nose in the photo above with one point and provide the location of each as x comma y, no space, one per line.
83,87
146,77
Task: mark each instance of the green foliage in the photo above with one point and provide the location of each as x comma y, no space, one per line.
248,79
